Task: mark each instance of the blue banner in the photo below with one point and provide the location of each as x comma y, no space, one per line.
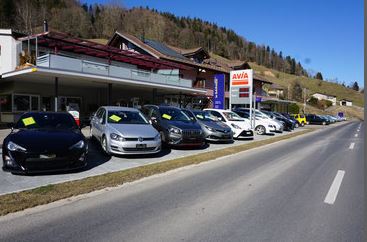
219,92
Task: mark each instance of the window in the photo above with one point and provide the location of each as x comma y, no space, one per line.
5,103
23,103
200,83
217,114
34,103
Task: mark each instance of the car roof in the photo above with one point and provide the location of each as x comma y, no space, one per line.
119,108
42,112
218,110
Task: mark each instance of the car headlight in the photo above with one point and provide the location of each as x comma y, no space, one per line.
116,137
209,128
78,145
235,126
157,137
175,130
14,147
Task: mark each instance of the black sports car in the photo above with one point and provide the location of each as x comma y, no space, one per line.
44,142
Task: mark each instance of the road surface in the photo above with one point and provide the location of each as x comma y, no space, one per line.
310,188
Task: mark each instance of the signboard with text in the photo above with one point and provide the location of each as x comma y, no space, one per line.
241,87
219,92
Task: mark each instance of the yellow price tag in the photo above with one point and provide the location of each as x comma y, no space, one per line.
166,116
115,118
28,121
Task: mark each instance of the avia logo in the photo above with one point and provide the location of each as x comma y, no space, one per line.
240,78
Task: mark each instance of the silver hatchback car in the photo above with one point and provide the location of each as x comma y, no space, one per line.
122,130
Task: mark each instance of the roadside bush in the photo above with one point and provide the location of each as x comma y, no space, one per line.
293,108
323,104
313,101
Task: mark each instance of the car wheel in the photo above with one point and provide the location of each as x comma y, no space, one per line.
105,145
302,124
296,125
323,123
260,130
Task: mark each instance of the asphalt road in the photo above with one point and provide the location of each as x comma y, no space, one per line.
309,188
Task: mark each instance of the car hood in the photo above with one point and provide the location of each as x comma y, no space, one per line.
184,125
133,130
45,140
244,125
215,125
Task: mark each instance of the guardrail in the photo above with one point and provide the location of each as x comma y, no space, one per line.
90,67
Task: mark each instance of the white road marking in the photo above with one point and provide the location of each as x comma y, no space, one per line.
334,189
351,147
356,135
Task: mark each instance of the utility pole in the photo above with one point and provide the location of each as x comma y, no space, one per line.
304,100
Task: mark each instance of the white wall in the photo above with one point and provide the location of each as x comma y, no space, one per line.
345,103
320,96
10,50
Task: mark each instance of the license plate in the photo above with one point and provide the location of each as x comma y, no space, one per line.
48,156
141,146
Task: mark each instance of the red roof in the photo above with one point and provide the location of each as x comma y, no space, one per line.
65,42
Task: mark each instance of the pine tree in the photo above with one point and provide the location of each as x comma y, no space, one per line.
319,76
355,86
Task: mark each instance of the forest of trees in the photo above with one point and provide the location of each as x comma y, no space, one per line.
100,21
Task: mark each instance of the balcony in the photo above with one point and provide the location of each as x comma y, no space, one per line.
90,67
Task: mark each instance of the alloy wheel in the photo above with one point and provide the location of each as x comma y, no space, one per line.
260,130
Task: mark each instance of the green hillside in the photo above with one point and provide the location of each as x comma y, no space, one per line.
312,85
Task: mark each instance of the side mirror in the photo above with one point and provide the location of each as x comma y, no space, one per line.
153,120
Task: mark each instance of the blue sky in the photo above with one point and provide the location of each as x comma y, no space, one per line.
324,35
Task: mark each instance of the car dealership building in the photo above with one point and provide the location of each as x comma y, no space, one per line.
53,71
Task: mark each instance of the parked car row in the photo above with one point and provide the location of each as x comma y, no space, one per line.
46,141
323,119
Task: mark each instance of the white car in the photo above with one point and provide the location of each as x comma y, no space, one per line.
241,127
278,125
262,125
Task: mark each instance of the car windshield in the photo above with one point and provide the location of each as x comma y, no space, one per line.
173,114
46,121
231,116
126,117
189,114
204,116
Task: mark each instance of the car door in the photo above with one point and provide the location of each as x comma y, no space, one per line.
155,117
100,119
94,123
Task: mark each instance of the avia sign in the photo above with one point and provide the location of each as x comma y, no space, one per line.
241,86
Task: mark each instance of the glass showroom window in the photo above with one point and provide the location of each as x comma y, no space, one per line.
5,103
23,103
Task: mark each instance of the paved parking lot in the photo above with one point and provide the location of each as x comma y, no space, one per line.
100,164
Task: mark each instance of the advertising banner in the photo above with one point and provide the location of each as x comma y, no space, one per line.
219,92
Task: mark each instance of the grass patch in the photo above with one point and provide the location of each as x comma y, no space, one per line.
14,202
